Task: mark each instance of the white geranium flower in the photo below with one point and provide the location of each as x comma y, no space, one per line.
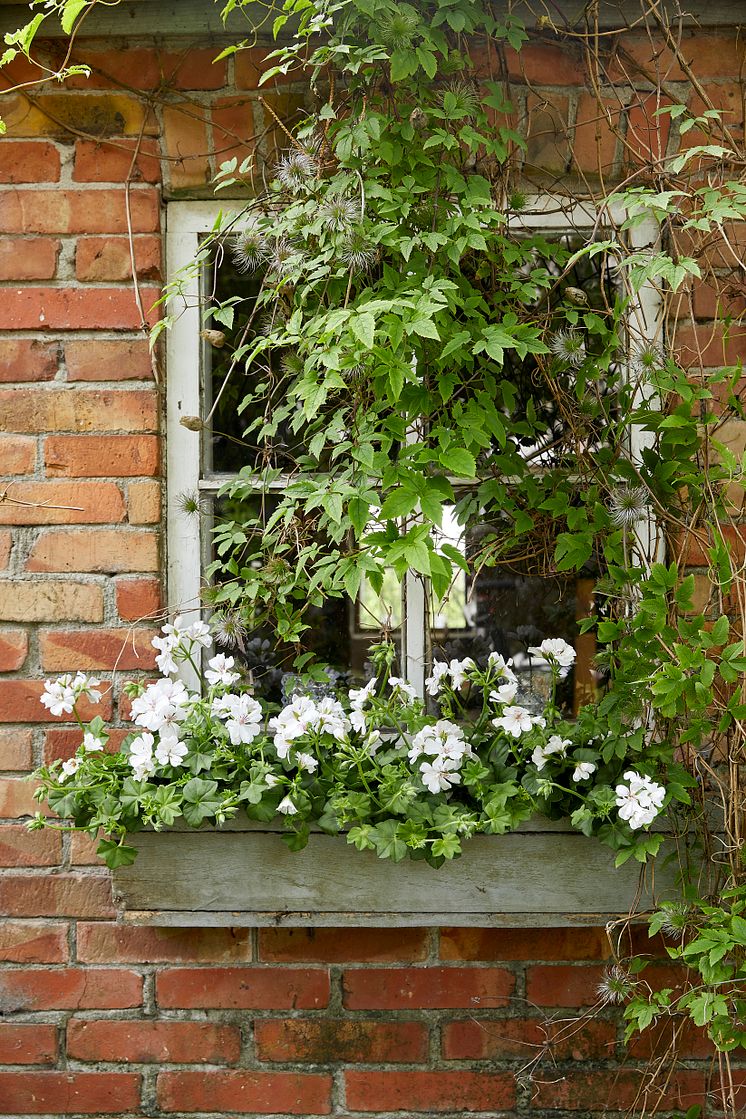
218,671
307,762
58,696
401,689
199,634
443,740
439,775
515,721
92,744
640,801
270,780
170,751
165,658
555,745
331,719
584,770
555,651
86,686
69,767
287,807
141,755
434,682
457,671
505,693
244,719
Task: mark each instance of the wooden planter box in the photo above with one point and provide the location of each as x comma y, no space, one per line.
543,875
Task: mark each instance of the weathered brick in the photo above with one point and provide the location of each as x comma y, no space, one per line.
65,409
13,649
69,1093
106,359
172,1042
343,945
546,64
24,359
98,259
234,132
144,504
250,64
36,308
16,745
33,942
65,895
105,551
710,345
20,703
284,1093
100,942
138,599
709,54
28,1044
620,1090
595,141
244,988
503,1039
28,258
16,797
563,985
330,1040
426,988
547,129
79,211
47,601
21,847
6,546
191,69
429,1090
96,114
63,742
111,162
29,161
187,146
83,650
101,456
62,503
17,454
647,129
290,106
524,944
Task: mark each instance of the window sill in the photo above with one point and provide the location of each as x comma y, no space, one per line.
542,875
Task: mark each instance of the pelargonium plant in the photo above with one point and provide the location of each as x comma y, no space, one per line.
398,775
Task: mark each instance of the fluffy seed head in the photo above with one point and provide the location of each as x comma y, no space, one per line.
229,630
339,213
357,252
250,248
616,985
461,98
568,347
296,169
628,505
397,28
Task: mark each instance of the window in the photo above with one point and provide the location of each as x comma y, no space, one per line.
503,609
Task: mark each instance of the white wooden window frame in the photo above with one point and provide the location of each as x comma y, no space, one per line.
187,222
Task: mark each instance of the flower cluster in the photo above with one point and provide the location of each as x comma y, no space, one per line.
61,695
640,801
445,748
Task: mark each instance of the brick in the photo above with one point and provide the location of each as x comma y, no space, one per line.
57,895
62,742
23,359
284,1093
13,649
28,1045
66,409
561,985
46,601
191,69
36,308
524,944
17,454
101,943
172,1042
187,145
144,504
234,131
290,107
709,55
79,211
343,945
62,503
582,1091
429,1091
83,850
138,598
31,990
690,1042
118,650
547,130
595,140
6,546
330,1040
16,797
709,346
69,1093
102,551
244,988
15,748
110,162
98,259
647,133
29,161
101,456
249,65
546,64
20,703
30,942
503,1039
108,360
96,114
427,988
28,258
21,847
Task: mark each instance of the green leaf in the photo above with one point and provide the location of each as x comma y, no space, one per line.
364,327
70,13
116,854
458,461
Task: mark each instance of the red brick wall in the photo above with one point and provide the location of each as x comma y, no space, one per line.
104,1019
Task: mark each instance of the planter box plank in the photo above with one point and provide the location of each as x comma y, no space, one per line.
250,878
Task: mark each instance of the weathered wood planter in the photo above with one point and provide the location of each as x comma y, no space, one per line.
542,875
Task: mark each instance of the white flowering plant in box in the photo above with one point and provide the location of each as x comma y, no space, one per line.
395,774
